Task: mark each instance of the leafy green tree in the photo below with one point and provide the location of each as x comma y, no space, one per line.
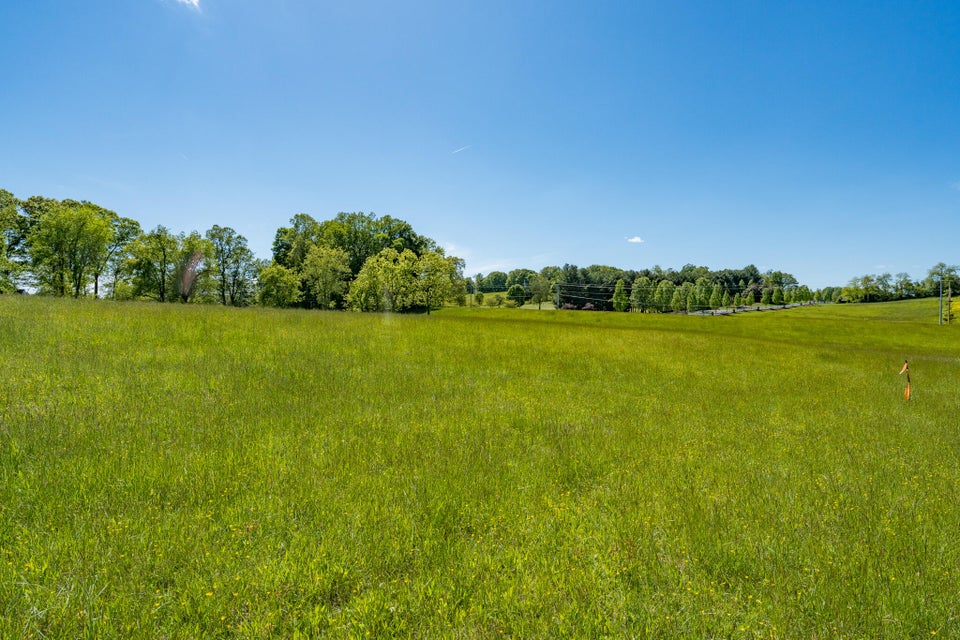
478,297
401,291
519,276
364,235
517,293
777,297
663,296
725,301
539,289
279,286
234,266
496,300
773,279
101,258
947,273
386,282
439,279
737,301
694,274
32,210
600,274
904,286
620,300
154,258
13,228
884,284
69,239
291,244
766,297
752,293
125,230
326,272
495,281
716,297
367,289
641,294
701,292
552,274
678,302
859,289
191,277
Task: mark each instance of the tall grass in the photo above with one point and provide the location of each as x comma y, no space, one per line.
179,471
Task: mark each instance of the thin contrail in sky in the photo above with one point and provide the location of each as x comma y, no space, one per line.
461,149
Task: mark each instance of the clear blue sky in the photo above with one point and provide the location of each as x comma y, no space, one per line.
819,138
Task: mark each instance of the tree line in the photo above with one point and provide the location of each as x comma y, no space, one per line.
885,287
691,288
355,260
655,290
364,262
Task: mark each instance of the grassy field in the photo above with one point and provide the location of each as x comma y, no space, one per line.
174,471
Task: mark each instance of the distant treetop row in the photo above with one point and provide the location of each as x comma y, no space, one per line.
353,261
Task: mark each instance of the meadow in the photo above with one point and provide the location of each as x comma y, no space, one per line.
171,471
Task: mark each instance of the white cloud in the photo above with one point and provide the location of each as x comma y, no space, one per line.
193,3
635,240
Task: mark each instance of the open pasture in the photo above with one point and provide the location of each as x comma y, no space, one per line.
181,471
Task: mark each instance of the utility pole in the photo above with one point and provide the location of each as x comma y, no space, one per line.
941,298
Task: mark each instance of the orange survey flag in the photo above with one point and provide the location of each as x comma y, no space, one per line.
906,370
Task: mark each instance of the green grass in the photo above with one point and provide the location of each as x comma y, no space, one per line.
182,471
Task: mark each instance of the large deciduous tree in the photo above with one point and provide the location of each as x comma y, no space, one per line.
495,281
641,293
234,266
125,230
122,232
519,276
67,242
539,289
13,235
517,293
154,258
663,296
326,273
279,286
191,277
399,281
440,278
363,235
948,274
291,244
386,282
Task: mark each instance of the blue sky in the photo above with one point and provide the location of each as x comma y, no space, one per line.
819,138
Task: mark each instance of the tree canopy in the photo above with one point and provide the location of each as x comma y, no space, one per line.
362,261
